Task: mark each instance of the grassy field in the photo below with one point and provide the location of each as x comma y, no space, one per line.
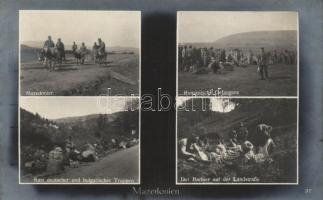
282,81
88,79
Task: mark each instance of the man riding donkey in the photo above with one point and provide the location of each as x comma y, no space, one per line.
52,54
100,55
80,53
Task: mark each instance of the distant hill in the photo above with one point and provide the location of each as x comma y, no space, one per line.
86,118
37,130
76,119
32,44
27,48
256,39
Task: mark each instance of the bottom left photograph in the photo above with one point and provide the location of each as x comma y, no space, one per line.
79,140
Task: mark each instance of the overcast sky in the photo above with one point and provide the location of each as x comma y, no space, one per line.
115,28
210,26
59,107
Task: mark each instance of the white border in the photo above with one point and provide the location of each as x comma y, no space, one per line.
139,98
238,97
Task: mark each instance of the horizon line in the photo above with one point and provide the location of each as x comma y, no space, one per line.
239,33
41,115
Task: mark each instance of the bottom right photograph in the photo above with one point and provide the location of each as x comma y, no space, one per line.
237,141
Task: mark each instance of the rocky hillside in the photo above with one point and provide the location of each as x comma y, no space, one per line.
275,112
36,130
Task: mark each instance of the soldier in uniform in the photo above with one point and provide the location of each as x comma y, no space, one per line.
195,58
184,58
189,55
229,58
101,48
49,43
180,60
238,56
250,57
60,48
204,57
83,51
94,51
223,56
74,47
263,66
198,57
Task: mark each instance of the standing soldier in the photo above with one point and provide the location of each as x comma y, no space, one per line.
101,48
275,57
184,58
250,61
199,57
74,47
94,51
223,56
263,66
83,51
180,60
60,49
203,57
189,55
286,57
238,56
229,58
195,57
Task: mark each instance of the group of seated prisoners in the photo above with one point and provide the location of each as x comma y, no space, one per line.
198,148
55,53
202,59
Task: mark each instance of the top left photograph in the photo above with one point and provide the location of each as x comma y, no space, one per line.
79,53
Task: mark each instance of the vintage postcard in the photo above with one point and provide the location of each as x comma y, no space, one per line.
79,140
237,53
79,53
237,141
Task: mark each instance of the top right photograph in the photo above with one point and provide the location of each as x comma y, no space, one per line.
237,53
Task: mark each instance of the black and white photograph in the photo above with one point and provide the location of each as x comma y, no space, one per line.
237,141
79,140
79,53
238,53
172,99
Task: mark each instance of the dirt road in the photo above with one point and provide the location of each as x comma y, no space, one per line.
81,80
123,164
